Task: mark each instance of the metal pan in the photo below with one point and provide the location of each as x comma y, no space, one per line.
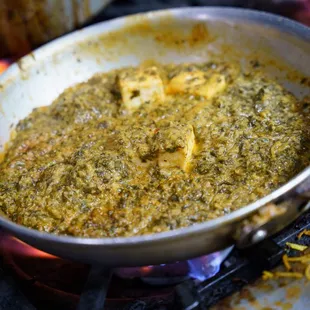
181,35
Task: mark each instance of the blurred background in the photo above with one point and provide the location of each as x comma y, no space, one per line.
27,24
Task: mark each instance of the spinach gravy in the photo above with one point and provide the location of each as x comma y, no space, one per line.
154,148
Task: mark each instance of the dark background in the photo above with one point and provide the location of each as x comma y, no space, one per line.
19,33
296,9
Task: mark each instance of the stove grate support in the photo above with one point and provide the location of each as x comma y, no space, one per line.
96,288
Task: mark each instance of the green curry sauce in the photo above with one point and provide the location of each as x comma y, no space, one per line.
113,157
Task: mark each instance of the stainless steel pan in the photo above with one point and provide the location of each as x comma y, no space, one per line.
181,35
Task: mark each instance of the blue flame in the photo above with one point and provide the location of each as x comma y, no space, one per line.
205,267
201,268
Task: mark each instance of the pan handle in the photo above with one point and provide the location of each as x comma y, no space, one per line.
273,217
303,190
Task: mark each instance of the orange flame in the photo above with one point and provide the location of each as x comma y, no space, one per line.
146,269
15,246
3,65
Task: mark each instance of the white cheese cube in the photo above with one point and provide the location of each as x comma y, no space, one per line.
176,147
140,86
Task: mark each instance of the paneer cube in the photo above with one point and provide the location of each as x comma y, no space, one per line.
140,86
176,145
197,83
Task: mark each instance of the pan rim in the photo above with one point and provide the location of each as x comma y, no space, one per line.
275,21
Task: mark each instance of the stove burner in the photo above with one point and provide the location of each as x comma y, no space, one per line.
200,269
53,283
59,283
50,282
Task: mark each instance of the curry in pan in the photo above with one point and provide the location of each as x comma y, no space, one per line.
154,148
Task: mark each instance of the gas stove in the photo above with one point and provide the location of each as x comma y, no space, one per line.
31,279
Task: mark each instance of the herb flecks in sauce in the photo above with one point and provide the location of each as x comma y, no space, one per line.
145,150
